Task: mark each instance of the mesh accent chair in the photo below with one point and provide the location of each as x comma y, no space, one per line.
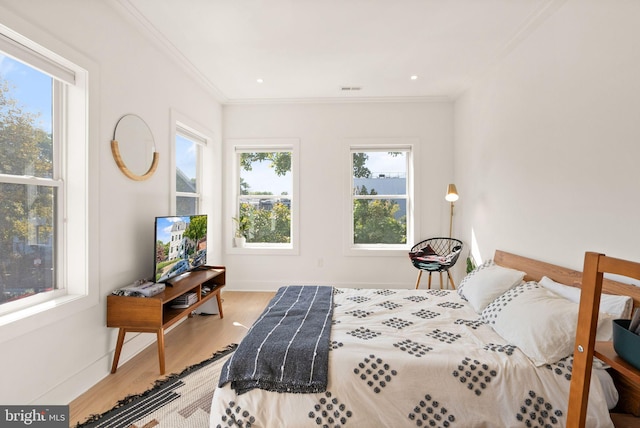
435,255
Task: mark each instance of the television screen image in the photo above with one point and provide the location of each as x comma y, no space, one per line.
181,245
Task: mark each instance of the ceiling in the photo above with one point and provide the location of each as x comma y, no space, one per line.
337,50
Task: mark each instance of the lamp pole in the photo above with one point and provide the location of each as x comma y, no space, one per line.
451,221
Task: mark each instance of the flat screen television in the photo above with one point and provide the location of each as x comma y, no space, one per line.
181,246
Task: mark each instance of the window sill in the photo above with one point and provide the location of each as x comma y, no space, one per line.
270,250
377,251
25,320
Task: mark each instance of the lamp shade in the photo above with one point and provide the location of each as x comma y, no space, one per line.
452,193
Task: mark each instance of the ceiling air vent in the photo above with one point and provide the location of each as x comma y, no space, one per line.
350,88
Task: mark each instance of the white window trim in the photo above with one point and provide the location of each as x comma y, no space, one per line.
180,124
262,145
80,286
209,177
380,144
48,62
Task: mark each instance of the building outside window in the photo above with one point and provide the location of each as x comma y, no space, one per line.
266,194
188,153
380,197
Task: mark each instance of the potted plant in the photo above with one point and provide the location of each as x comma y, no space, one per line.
471,264
243,224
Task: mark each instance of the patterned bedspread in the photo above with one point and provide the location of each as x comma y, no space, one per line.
415,358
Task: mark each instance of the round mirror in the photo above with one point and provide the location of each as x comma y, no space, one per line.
133,148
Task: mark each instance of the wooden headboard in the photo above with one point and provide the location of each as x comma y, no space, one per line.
581,375
536,269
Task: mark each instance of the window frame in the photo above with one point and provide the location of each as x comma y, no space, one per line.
209,179
201,140
360,145
73,160
235,148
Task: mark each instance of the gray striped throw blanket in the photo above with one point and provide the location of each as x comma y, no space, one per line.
287,348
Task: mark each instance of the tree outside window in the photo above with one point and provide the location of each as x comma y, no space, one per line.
265,195
28,189
380,194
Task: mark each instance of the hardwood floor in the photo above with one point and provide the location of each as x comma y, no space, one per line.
192,341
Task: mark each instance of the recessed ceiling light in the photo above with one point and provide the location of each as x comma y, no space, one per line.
414,77
259,80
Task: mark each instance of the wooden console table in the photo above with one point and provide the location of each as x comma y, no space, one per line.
625,376
155,314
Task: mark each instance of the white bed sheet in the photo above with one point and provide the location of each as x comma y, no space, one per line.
416,358
609,390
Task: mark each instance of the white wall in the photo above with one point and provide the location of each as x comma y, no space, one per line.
547,144
128,74
324,185
546,149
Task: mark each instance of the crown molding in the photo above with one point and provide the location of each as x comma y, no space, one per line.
532,23
339,100
139,20
528,27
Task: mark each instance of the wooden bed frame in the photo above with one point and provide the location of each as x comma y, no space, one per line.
595,266
536,269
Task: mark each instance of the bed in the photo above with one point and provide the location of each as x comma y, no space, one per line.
482,355
594,288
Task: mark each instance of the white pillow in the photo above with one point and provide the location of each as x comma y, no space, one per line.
618,306
482,286
536,320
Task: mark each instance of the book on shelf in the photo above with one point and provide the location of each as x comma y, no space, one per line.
185,300
634,326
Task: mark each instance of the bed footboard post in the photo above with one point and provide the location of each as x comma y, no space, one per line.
585,341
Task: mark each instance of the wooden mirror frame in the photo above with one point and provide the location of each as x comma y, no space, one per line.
115,150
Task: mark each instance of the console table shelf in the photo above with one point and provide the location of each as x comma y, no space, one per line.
154,314
625,376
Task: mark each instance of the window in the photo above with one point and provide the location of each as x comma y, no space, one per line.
188,149
43,121
265,204
28,231
380,197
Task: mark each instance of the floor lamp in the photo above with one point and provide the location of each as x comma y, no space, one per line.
451,196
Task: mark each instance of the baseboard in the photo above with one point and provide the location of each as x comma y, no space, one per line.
78,384
275,285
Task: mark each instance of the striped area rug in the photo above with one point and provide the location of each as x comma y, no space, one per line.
180,400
